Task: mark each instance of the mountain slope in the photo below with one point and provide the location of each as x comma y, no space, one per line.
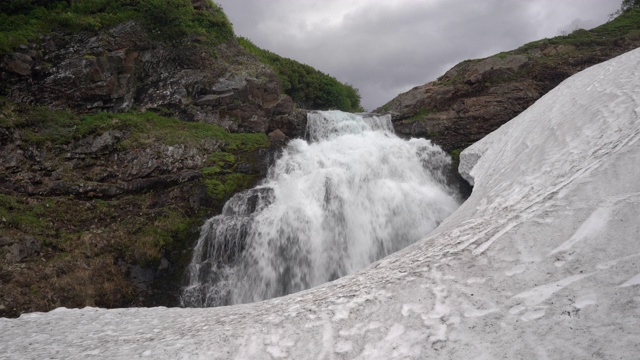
308,87
475,97
540,262
123,125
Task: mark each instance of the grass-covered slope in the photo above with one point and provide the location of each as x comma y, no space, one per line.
625,25
308,87
22,21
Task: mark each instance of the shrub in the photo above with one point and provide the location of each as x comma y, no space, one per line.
308,87
169,17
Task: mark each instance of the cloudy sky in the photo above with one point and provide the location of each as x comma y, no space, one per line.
386,47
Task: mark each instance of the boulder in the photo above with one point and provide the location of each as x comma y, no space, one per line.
21,248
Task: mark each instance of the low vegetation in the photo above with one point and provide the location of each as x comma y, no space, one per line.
308,87
561,51
420,115
86,244
41,125
22,21
626,23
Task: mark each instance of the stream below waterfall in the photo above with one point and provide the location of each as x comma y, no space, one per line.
350,195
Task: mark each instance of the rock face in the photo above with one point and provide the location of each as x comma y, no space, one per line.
118,69
102,210
98,169
477,96
107,219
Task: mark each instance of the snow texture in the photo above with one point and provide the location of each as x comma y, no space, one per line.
542,261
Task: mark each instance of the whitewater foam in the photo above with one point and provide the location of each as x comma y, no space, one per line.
329,207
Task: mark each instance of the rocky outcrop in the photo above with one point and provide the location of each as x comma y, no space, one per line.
122,69
101,210
94,166
18,249
477,96
107,219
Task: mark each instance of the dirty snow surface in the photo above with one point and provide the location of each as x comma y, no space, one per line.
542,261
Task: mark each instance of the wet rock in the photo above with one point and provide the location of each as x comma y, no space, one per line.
5,240
161,182
121,69
277,138
141,277
293,125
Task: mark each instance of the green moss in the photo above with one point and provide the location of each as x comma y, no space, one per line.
221,187
455,155
41,125
34,290
17,213
221,158
421,115
171,231
455,80
246,142
44,125
148,126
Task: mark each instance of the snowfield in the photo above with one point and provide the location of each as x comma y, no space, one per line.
542,261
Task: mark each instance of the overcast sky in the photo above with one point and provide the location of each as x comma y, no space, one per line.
386,47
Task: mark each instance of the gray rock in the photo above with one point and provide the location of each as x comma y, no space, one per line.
277,138
230,82
141,277
119,69
23,248
18,63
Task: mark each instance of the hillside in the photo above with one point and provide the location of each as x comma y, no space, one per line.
123,125
541,262
475,97
308,87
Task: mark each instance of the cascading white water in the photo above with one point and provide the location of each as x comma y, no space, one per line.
353,194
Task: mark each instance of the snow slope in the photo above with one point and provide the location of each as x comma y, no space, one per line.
542,261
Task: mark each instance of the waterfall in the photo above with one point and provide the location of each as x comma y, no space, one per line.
330,206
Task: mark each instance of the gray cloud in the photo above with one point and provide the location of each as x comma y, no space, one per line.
386,47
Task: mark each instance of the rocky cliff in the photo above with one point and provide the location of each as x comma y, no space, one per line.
122,69
115,144
476,97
